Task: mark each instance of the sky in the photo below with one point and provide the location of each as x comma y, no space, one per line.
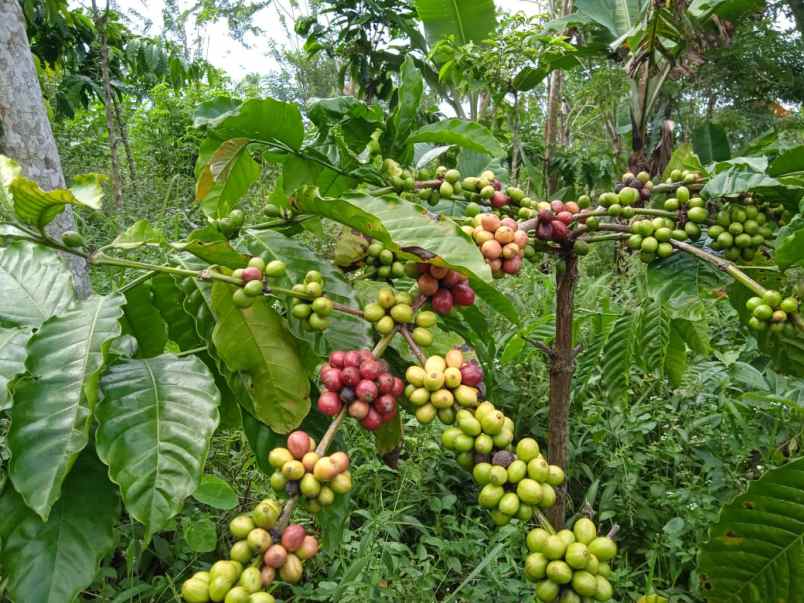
238,60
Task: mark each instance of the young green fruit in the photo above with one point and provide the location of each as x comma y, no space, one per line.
237,595
577,555
585,530
554,547
603,547
250,579
535,566
559,572
603,590
240,526
195,591
241,299
218,588
547,591
529,491
509,503
584,583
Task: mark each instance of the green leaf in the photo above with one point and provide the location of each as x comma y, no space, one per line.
755,551
260,120
410,93
683,158
695,333
51,562
12,359
88,190
388,435
254,341
618,357
34,284
216,493
345,332
738,180
38,208
618,16
675,362
680,281
332,521
155,423
467,20
594,344
226,178
201,534
209,111
530,77
169,300
790,244
209,245
138,234
791,160
53,405
467,134
654,336
144,322
710,142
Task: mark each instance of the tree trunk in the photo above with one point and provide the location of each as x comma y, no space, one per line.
108,102
562,367
123,129
25,133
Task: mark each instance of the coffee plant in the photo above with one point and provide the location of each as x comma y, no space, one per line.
258,325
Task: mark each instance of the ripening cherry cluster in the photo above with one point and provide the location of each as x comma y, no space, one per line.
444,287
555,219
501,242
382,264
316,310
443,386
393,308
361,382
259,554
252,277
771,312
571,565
301,470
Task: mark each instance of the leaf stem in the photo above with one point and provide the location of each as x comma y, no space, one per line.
101,259
136,281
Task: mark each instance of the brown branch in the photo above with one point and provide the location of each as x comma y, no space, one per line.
541,346
412,345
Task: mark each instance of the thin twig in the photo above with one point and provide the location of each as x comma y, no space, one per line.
412,345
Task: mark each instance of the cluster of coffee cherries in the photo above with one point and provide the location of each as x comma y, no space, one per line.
447,183
501,242
739,231
381,263
444,287
301,470
393,308
685,176
239,579
513,483
638,188
400,179
444,385
316,308
772,312
652,237
231,224
361,382
487,187
252,279
555,219
571,566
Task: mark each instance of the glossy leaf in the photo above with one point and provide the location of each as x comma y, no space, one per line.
790,244
254,341
53,405
467,134
530,77
791,160
169,300
710,142
467,20
138,234
226,177
617,16
346,332
216,493
51,562
738,180
144,322
675,362
260,120
209,111
755,551
209,245
12,359
410,93
34,284
155,422
680,281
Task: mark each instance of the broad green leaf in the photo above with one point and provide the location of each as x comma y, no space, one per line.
332,521
138,234
530,77
755,552
467,20
695,333
790,244
710,142
51,562
346,332
654,336
683,158
261,120
738,180
201,534
725,9
54,403
38,208
617,358
680,281
88,190
254,341
169,300
34,284
389,435
618,16
324,112
144,322
12,359
791,160
425,153
209,111
209,245
467,134
226,178
675,362
155,422
216,493
588,361
410,93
